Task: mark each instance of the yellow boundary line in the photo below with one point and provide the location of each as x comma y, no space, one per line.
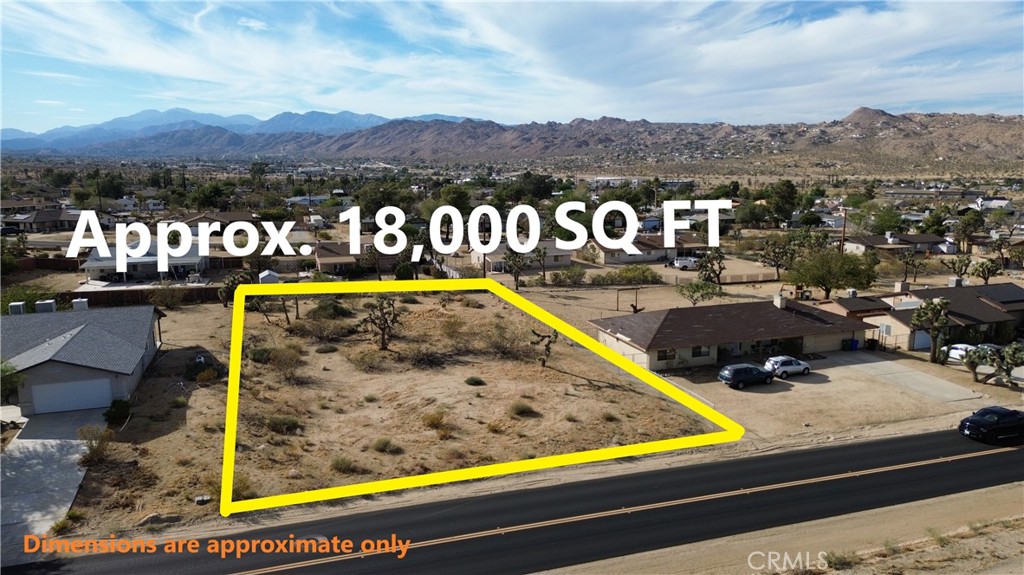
730,430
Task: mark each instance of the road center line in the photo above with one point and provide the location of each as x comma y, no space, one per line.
628,510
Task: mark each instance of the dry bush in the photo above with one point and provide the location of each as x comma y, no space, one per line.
285,360
425,357
321,330
329,309
522,409
97,443
507,342
434,420
369,360
385,445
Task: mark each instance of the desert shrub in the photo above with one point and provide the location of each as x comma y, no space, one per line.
344,465
445,432
321,330
118,412
495,427
75,515
475,380
326,348
434,420
506,343
207,375
97,442
368,360
404,271
282,424
521,409
261,354
167,296
425,358
841,560
571,418
370,398
285,360
385,445
408,298
243,487
438,273
329,309
453,455
179,402
62,526
938,537
609,417
632,274
472,303
451,327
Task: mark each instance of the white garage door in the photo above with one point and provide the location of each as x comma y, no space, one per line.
71,395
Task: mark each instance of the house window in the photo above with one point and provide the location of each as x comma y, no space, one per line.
666,354
700,351
556,258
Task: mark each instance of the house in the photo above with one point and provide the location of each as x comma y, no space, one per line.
81,359
706,335
336,258
976,313
127,204
47,220
554,257
269,277
893,242
307,200
223,218
651,250
144,267
15,206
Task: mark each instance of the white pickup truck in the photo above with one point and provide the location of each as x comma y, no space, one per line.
684,263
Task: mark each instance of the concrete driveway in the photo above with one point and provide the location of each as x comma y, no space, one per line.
41,477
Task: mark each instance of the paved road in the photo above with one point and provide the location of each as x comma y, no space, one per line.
536,529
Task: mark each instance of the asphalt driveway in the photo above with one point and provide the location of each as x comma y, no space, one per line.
41,477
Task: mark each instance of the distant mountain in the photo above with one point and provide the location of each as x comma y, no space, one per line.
866,141
12,133
318,123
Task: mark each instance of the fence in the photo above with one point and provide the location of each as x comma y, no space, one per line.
58,264
139,296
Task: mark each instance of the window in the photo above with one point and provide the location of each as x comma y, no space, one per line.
700,351
556,258
666,354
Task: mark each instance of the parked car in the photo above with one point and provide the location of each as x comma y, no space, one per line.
784,366
738,375
994,349
957,351
684,263
993,424
9,231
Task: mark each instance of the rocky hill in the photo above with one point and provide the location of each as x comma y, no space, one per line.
867,138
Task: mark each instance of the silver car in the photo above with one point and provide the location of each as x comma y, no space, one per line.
784,366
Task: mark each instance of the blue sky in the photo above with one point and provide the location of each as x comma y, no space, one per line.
79,63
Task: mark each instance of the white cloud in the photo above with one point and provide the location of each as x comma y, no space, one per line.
680,61
253,24
50,102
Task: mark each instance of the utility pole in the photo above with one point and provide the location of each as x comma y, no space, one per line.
842,238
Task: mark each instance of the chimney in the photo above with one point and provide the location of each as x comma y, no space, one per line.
851,293
16,308
79,304
902,287
46,306
956,282
888,235
780,301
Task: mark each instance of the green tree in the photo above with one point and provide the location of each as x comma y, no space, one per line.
751,214
933,223
829,270
10,379
908,260
1016,256
970,223
810,219
958,265
711,266
699,291
515,264
1000,246
887,219
540,258
932,315
986,269
370,259
383,319
782,200
778,253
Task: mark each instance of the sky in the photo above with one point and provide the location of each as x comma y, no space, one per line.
79,63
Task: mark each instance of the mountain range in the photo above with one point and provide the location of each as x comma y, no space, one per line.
870,138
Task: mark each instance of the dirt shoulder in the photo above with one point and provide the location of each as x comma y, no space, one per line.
974,532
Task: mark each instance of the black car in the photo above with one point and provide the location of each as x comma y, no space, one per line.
9,231
993,424
738,375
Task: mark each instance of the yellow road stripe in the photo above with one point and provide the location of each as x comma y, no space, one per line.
627,510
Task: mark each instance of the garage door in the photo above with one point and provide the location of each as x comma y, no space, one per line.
71,395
